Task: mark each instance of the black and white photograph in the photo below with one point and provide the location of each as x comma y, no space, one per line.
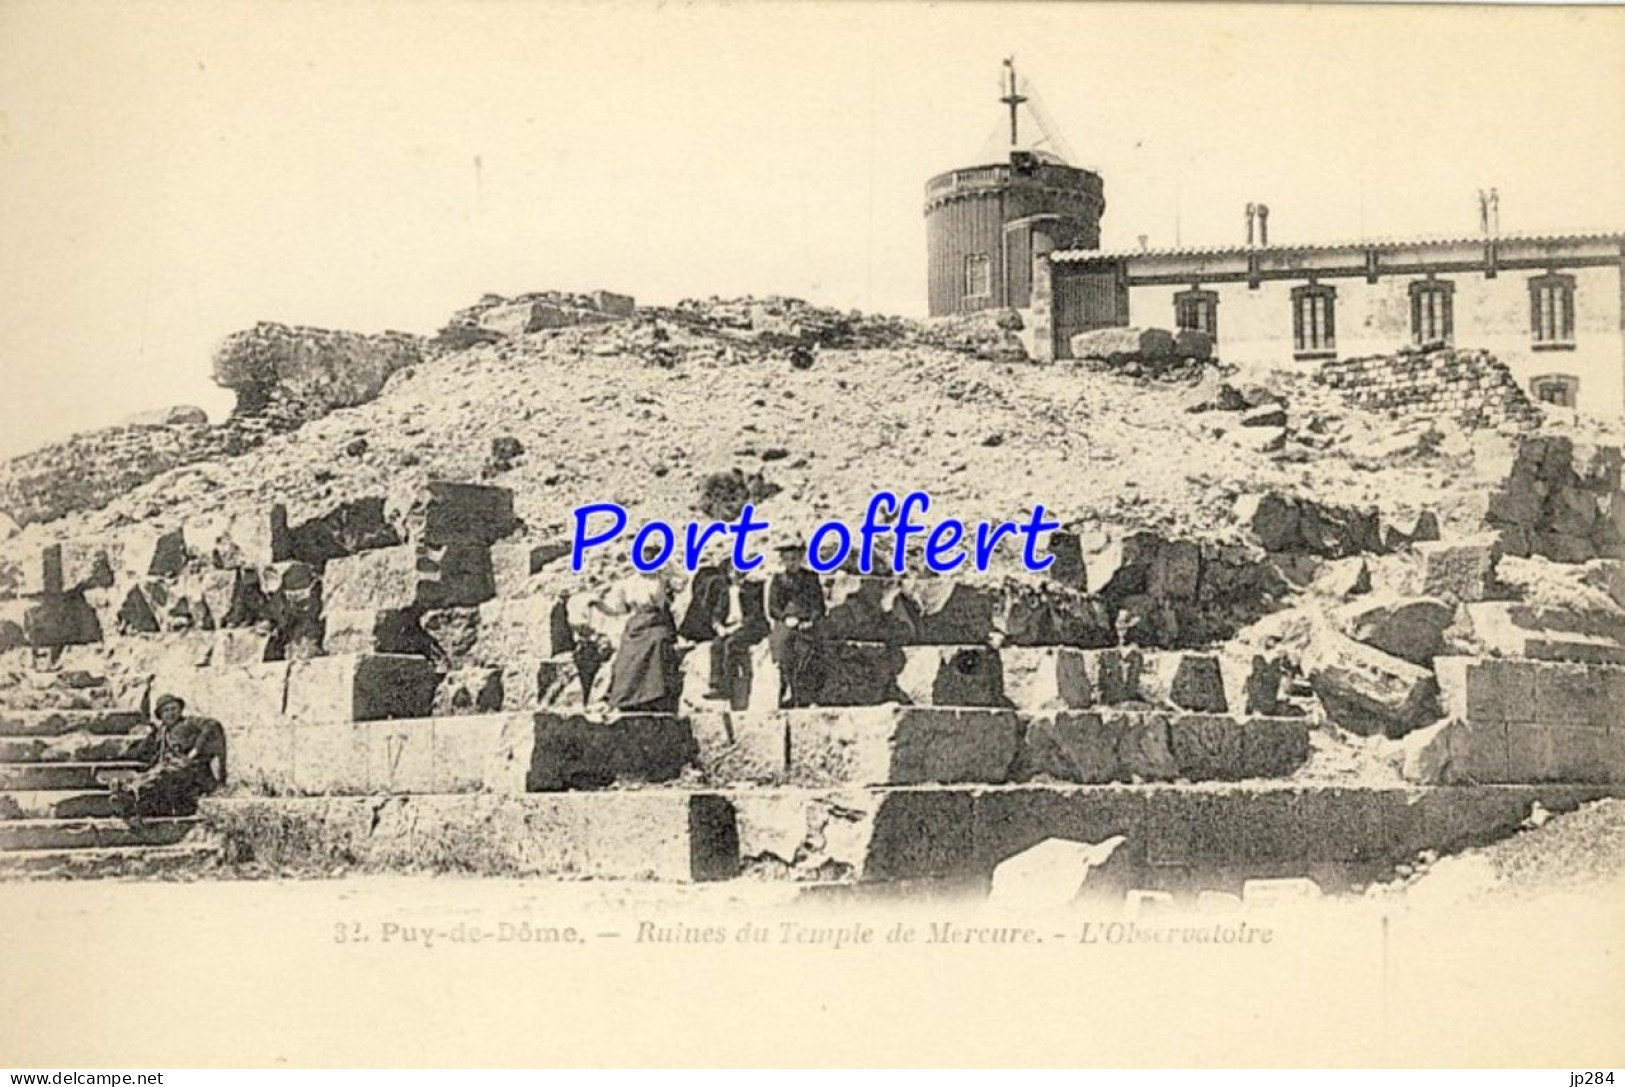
802,535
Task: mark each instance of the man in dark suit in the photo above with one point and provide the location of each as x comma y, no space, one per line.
734,616
795,604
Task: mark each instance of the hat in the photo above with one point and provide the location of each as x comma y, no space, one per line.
795,541
166,700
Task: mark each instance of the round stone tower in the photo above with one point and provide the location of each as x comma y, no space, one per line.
984,224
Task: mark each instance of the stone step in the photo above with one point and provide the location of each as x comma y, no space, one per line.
666,835
1173,835
55,804
56,776
107,862
21,834
69,747
917,745
49,722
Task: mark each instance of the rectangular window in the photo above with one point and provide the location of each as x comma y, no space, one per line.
1197,311
1551,311
1314,321
1559,389
978,276
1432,320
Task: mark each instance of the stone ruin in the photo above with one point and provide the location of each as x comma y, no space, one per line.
401,688
1471,387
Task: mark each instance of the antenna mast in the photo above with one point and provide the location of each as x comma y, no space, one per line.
1012,97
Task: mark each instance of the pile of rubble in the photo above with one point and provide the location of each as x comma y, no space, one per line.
91,469
494,317
1471,387
296,374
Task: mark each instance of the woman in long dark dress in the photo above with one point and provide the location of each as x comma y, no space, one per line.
645,675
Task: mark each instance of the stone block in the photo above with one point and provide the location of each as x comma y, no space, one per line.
856,835
1574,695
653,834
873,609
1046,679
259,758
533,626
514,564
1183,681
410,576
1461,571
329,758
742,747
1252,682
1011,821
398,630
464,748
1049,615
475,689
1512,630
1190,343
1367,691
549,752
243,698
1410,628
1273,746
441,514
863,674
350,527
54,621
246,539
1579,755
1480,689
948,676
360,688
950,611
907,745
1272,518
1071,746
1206,747
1118,346
147,550
615,305
1144,751
1562,547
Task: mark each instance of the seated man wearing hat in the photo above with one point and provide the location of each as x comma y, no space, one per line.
181,759
795,604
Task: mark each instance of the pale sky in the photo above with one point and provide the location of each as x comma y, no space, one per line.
170,173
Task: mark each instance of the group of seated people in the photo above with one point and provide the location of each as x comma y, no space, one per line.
728,608
180,758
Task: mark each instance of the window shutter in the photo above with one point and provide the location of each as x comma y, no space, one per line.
1331,321
1449,304
1567,332
1416,316
1534,311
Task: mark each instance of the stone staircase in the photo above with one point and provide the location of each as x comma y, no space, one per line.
55,816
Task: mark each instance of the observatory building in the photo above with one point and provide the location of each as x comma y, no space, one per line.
1024,234
985,224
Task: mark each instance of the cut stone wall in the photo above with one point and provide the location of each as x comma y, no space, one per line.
1471,387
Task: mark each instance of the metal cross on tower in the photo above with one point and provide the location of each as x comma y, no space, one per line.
1012,98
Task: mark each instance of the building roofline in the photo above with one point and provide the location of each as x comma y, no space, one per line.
1080,256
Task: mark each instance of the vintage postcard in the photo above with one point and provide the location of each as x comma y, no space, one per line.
811,534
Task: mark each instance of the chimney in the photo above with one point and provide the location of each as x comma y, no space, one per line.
1495,212
1252,211
1263,224
1145,242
